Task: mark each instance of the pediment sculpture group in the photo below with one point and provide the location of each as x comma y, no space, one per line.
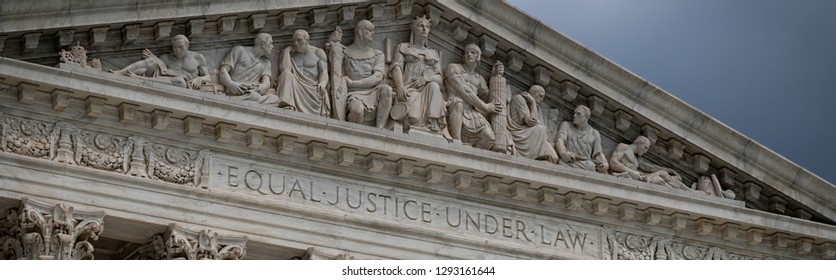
353,83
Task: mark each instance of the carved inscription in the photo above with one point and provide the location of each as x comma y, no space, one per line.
386,204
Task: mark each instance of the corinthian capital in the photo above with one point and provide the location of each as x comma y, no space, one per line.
179,243
41,231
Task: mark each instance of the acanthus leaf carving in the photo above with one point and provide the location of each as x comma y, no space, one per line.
627,246
39,231
184,244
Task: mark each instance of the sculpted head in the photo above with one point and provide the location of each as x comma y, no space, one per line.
581,115
421,27
364,31
642,145
537,92
180,45
300,40
264,42
472,53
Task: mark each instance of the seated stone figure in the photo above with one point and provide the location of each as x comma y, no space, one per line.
183,67
369,98
579,145
303,77
467,109
626,161
416,72
529,134
245,71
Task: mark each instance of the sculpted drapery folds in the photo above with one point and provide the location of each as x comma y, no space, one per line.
626,161
182,67
579,145
416,72
467,102
529,134
303,77
369,98
245,71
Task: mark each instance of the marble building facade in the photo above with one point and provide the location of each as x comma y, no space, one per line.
348,129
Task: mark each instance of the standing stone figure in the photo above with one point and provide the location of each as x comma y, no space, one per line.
529,134
626,161
369,98
467,106
416,72
303,77
579,145
246,71
183,67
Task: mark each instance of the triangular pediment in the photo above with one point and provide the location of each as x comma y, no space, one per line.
622,105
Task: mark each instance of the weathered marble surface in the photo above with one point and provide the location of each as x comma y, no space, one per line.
179,116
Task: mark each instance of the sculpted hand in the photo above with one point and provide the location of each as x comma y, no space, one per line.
321,88
532,121
237,89
262,87
567,157
528,97
494,108
400,92
195,83
634,174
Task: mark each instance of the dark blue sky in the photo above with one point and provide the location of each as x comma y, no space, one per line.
766,68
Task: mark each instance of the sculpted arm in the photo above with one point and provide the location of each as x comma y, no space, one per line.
560,145
437,73
372,80
202,72
232,87
650,168
533,112
284,61
322,65
617,159
600,160
468,92
397,75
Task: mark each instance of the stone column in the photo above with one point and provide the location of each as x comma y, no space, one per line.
41,231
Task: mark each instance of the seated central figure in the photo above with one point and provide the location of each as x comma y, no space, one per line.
416,72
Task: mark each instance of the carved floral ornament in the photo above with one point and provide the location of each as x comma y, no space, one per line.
135,156
628,246
179,243
39,231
